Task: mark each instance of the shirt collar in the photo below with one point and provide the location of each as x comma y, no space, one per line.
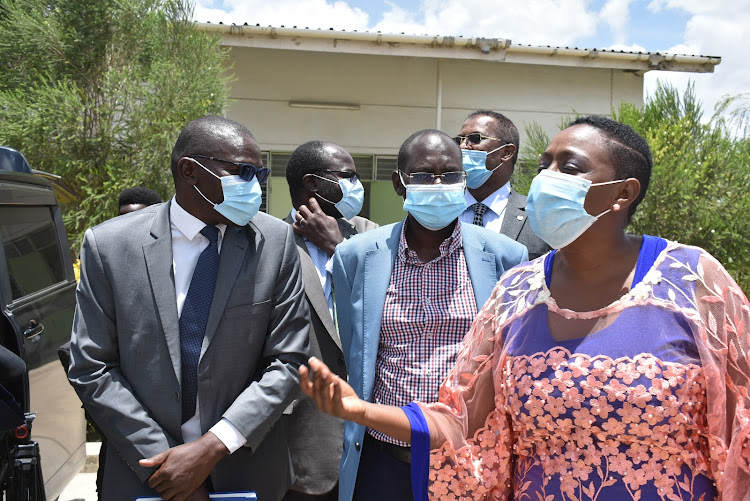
495,202
188,224
447,247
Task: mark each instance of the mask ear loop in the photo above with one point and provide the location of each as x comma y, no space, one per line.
197,189
330,181
615,207
493,151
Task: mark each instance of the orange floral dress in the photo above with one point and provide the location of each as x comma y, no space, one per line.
653,404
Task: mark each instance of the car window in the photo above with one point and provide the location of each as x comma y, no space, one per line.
32,249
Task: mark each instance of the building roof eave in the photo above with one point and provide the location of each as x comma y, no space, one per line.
450,47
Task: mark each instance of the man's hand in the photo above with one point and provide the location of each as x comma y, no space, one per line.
318,227
330,393
184,468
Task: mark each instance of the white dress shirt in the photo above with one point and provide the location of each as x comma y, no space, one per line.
496,203
187,245
323,265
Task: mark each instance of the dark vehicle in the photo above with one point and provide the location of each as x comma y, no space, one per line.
37,297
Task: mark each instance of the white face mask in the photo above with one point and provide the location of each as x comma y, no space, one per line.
352,196
555,207
475,165
241,198
434,206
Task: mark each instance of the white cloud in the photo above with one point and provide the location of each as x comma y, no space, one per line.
616,14
308,14
715,29
535,22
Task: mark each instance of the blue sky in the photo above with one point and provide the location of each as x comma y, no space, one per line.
705,27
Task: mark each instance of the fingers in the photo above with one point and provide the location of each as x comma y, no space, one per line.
303,212
154,460
304,381
314,206
319,388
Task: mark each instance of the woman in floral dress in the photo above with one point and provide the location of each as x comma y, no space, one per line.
614,368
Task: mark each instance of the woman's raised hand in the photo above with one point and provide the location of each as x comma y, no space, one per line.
330,393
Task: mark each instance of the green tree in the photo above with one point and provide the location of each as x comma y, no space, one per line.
97,90
699,192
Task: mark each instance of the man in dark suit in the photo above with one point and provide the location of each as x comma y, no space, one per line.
190,327
322,183
493,204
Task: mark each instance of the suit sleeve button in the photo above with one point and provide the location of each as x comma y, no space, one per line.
357,446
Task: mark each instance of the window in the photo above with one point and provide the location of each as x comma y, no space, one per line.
264,186
32,249
384,167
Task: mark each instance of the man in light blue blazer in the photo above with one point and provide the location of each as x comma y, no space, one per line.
406,295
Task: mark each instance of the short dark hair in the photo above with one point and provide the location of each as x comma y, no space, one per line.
404,153
628,151
505,130
199,137
138,195
308,158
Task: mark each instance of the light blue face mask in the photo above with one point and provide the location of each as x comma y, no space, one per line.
475,165
352,196
241,198
555,207
434,206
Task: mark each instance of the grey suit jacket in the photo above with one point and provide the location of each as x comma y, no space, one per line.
516,226
316,439
125,348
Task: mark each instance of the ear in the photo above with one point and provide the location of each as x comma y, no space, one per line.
310,183
629,191
398,185
186,171
508,152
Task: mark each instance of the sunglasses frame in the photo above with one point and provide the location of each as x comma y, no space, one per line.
441,176
346,174
460,139
260,173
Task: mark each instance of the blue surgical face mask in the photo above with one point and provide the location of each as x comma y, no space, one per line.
241,198
555,207
434,206
352,196
475,165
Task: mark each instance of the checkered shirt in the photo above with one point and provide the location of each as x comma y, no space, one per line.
428,309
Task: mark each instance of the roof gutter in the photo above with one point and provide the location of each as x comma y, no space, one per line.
491,49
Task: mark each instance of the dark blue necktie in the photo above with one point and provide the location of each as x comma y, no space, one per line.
195,316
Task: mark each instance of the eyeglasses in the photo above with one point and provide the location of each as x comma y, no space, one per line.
346,174
473,138
454,177
247,171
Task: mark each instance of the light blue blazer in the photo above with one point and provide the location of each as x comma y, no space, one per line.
362,268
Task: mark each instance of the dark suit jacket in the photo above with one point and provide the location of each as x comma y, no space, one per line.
516,226
316,439
125,349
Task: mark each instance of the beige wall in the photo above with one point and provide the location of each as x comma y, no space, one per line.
399,95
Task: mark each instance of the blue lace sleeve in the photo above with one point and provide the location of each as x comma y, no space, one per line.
420,451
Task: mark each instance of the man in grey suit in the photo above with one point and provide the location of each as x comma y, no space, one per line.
184,413
326,195
492,203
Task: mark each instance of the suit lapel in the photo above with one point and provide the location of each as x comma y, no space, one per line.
346,228
378,271
314,290
515,216
481,265
231,259
158,256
